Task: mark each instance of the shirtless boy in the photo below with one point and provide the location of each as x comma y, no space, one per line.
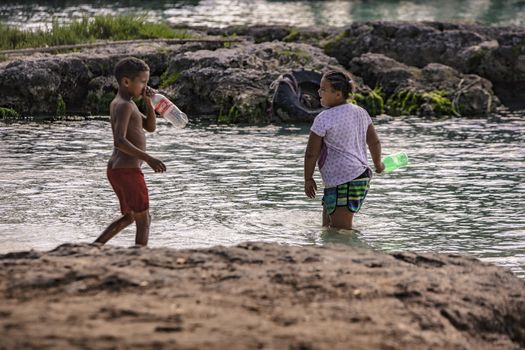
124,167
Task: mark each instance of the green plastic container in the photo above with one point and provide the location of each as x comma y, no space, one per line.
395,161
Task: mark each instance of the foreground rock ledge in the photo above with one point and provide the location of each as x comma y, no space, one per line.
256,296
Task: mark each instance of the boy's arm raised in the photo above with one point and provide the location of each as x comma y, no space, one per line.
122,116
150,123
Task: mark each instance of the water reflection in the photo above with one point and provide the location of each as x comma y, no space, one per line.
463,191
346,237
222,13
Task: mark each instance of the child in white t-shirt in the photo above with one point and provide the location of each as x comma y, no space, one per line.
337,142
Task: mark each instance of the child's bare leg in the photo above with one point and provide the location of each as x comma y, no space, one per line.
142,220
342,218
115,227
326,218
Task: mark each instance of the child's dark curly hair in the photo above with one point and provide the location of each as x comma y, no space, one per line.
130,67
340,82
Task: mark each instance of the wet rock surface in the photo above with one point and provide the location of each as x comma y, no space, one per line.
76,83
235,83
494,53
444,69
207,81
256,295
411,90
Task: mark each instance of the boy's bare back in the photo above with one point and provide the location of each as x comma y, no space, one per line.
126,121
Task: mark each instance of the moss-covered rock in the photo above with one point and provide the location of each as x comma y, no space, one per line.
334,42
294,55
168,78
8,113
101,91
293,35
230,117
206,79
494,53
370,99
99,103
233,85
435,90
439,102
425,103
61,106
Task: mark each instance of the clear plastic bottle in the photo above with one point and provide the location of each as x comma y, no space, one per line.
169,111
395,161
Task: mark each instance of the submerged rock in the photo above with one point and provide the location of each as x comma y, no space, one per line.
256,295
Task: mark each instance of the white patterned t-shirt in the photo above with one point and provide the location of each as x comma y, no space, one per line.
343,155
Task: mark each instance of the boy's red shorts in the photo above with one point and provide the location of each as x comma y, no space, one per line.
131,189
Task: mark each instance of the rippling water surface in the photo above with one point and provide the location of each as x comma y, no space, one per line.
463,192
222,13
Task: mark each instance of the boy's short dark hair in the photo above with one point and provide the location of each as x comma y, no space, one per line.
130,67
340,81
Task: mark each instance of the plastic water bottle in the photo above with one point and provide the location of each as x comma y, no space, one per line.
394,161
169,111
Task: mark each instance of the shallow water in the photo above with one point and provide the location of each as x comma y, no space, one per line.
463,191
222,13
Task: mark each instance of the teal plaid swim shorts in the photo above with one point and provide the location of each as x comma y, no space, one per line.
351,194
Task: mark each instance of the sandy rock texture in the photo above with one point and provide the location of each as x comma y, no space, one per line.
256,296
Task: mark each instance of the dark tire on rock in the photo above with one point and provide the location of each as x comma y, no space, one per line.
295,96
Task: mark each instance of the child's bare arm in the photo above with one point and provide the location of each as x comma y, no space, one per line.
374,145
122,117
311,155
150,123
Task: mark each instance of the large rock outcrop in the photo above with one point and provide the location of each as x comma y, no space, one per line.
438,69
206,80
80,83
234,83
494,53
435,89
256,296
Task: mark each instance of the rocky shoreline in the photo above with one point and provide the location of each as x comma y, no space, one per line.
428,69
256,296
